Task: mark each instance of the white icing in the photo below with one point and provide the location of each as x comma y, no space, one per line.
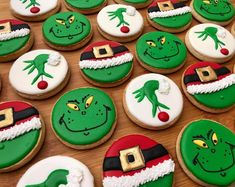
14,34
142,111
135,21
170,13
213,86
164,87
146,175
20,129
207,47
20,8
106,63
21,80
79,174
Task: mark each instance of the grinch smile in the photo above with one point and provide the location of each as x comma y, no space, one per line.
217,13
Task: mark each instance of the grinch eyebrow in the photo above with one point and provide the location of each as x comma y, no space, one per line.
70,16
160,38
83,99
149,41
74,101
59,19
199,136
209,133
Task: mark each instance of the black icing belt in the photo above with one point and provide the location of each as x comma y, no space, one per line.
19,26
195,77
114,163
156,8
90,55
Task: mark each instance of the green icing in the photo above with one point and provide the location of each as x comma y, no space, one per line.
83,116
208,151
85,4
136,1
118,14
215,10
161,50
13,151
66,28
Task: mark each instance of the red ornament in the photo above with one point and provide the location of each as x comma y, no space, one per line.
224,51
125,29
42,85
34,10
163,116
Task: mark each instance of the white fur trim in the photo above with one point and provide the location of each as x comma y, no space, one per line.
54,59
164,87
170,13
74,178
130,10
20,129
106,63
14,34
212,87
147,175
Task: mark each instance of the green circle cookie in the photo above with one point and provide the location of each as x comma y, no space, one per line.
84,118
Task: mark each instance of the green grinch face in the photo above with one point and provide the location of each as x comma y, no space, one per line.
85,4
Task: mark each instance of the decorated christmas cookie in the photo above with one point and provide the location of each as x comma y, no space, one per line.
21,134
34,10
153,101
135,3
15,39
84,118
106,63
209,86
120,23
161,52
169,15
210,42
85,6
220,12
206,152
136,160
67,31
39,74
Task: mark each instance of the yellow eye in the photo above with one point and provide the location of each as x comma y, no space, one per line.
73,106
60,21
151,43
214,138
71,19
206,2
200,143
89,101
163,40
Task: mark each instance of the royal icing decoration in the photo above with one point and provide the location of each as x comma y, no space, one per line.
128,163
57,171
207,150
85,4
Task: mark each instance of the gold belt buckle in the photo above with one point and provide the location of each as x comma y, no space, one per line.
206,74
165,6
5,28
6,117
103,51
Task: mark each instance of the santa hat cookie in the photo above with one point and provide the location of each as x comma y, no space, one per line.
209,86
136,160
106,63
21,128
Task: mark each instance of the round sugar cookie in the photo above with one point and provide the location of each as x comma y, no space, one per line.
135,3
206,152
153,101
106,63
22,134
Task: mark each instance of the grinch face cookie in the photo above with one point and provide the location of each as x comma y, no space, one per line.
135,3
21,129
169,15
153,101
206,152
67,31
136,160
34,10
39,74
106,63
15,39
120,23
214,11
84,118
210,42
209,86
161,52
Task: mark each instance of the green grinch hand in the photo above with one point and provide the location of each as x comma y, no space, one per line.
118,14
32,3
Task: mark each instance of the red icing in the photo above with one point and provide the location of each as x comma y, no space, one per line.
163,116
224,51
42,85
13,21
34,10
125,29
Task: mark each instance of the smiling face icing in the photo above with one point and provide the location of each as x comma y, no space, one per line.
208,151
83,116
66,28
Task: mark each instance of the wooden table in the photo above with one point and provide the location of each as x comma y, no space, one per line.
94,158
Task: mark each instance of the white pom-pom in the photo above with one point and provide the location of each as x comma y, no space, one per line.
54,59
164,87
221,33
130,10
74,178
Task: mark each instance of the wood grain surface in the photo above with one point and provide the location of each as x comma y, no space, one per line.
94,158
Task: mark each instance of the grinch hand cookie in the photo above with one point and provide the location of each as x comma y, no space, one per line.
39,74
21,134
153,101
120,23
106,63
135,3
67,31
210,42
169,15
57,171
34,10
136,160
16,39
161,52
84,118
209,86
206,152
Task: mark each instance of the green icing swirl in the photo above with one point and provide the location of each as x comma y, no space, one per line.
85,4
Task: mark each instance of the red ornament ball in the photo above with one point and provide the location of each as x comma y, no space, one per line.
163,116
224,51
34,10
42,85
125,29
